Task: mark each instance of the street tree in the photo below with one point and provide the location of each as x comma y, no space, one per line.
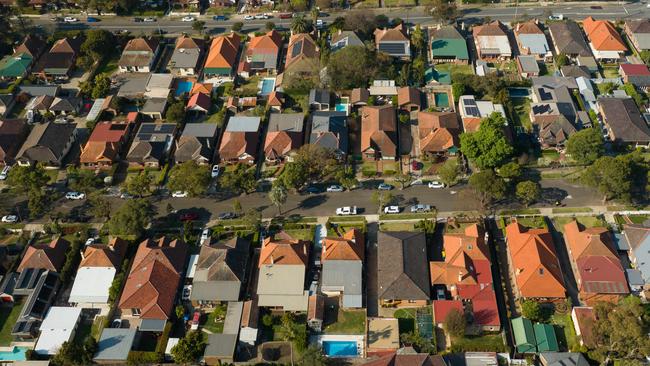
236,206
346,178
299,5
381,199
239,180
351,66
443,10
586,146
198,26
612,176
189,177
237,26
83,180
455,323
37,202
528,192
269,26
253,219
131,219
278,195
404,180
189,348
100,207
487,147
362,22
98,44
488,187
22,179
139,185
449,172
510,171
299,25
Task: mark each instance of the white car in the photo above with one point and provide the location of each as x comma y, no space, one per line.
179,194
215,171
440,294
261,16
10,218
5,172
187,291
391,209
70,19
75,195
436,184
335,188
205,235
90,241
188,19
319,23
347,210
149,19
249,17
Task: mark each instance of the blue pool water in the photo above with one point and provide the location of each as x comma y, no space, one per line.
267,86
519,92
183,87
17,354
340,108
340,348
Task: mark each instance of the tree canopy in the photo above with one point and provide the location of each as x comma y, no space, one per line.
189,348
131,218
528,192
455,323
487,147
623,177
239,180
351,67
139,185
586,146
488,187
189,177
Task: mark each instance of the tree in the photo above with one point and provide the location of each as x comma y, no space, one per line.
510,171
381,199
361,22
528,192
443,10
131,218
457,90
488,187
449,172
561,60
139,185
639,98
608,87
240,180
611,176
403,180
532,310
100,207
314,12
236,206
346,177
419,343
116,287
189,177
37,202
83,180
487,147
98,44
645,56
189,348
278,195
313,356
350,67
198,25
253,218
101,86
310,163
22,179
455,323
75,354
180,311
417,39
269,26
176,112
586,146
237,26
299,25
293,332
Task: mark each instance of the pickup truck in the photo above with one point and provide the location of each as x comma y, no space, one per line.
347,210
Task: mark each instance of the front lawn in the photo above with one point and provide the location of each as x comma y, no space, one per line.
397,226
533,222
572,209
347,321
301,234
398,3
586,221
214,320
8,317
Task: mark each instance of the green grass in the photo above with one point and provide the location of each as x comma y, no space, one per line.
638,219
550,154
458,229
109,65
8,317
406,319
586,221
398,3
348,322
368,4
567,338
456,69
522,211
249,88
521,107
397,226
572,209
301,234
484,343
610,72
533,222
214,320
357,218
408,216
97,327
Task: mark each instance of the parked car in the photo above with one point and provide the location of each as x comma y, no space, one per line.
347,210
205,235
149,19
556,17
75,195
179,194
10,218
391,209
90,241
187,291
436,184
138,20
215,171
285,16
420,208
335,188
70,19
319,23
190,216
92,20
5,172
219,18
440,294
384,187
313,190
117,323
261,16
249,17
195,320
188,19
226,215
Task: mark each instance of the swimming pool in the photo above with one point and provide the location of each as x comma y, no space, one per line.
340,348
441,99
13,354
266,86
183,87
519,92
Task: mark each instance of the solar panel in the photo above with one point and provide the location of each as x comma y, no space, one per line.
392,48
545,95
297,47
144,136
469,101
472,111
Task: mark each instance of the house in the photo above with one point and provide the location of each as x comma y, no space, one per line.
492,41
553,113
7,102
151,287
197,143
638,33
636,74
240,104
38,90
37,288
409,99
448,45
359,96
329,129
342,39
524,335
589,62
48,256
442,309
282,266
575,71
221,271
59,60
158,85
534,262
624,121
597,267
568,39
199,103
263,52
472,111
527,66
532,41
605,41
275,101
105,145
562,359
383,336
394,42
139,55
315,312
15,66
283,137
402,272
378,132
186,57
47,143
32,45
12,135
638,237
39,105
240,140
439,133
65,106
152,145
407,356
466,274
583,318
343,260
222,57
303,55
154,108
319,99
220,349
132,86
101,262
59,326
114,346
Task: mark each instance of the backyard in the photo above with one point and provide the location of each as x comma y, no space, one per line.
566,334
484,343
521,116
342,321
455,69
214,320
8,317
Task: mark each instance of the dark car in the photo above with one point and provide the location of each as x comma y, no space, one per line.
190,216
313,189
226,215
596,7
138,20
219,17
285,16
92,20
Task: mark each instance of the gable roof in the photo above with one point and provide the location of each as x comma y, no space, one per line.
378,128
635,69
48,256
447,41
495,28
536,266
351,246
402,272
46,142
329,129
438,131
67,45
139,52
409,95
12,136
15,65
343,39
223,51
603,35
407,359
32,45
142,44
104,255
269,43
104,142
224,261
568,38
199,100
556,130
282,249
301,46
624,120
397,33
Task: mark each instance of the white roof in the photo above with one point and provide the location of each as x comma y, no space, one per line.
91,285
171,342
95,109
191,266
58,327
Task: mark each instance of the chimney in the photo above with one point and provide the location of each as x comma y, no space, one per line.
340,31
304,249
460,276
272,260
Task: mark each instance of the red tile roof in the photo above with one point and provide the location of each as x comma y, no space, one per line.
442,308
283,249
603,36
635,69
50,256
349,247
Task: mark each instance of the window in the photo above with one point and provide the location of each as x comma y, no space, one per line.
541,271
136,312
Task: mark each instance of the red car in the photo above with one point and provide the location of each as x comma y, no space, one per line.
190,216
285,16
415,165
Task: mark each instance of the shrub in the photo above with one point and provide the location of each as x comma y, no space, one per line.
143,358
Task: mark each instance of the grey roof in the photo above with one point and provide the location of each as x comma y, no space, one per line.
588,61
535,43
641,32
623,118
575,71
221,345
638,237
220,271
621,242
634,277
38,90
344,39
115,344
263,61
151,142
185,58
68,104
330,130
403,271
133,86
569,82
46,142
233,317
6,99
445,32
641,81
568,38
152,325
346,274
320,96
528,64
200,130
243,124
563,359
290,122
154,105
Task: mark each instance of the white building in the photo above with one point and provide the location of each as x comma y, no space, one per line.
59,326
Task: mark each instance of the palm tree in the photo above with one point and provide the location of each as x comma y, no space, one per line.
299,25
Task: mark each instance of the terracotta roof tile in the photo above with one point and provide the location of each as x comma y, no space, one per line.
378,127
283,249
105,255
603,35
223,52
349,247
49,256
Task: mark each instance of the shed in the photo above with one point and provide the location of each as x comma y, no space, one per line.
546,339
58,327
524,335
114,345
